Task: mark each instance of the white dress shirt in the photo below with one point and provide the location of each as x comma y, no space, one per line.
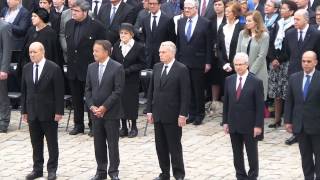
304,32
201,5
244,78
158,14
125,48
168,66
40,68
194,22
11,15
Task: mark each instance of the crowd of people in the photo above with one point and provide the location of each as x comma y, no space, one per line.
236,54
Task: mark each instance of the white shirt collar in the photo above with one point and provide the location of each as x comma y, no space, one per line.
244,76
130,43
117,6
169,65
158,14
105,62
194,18
41,63
243,80
305,29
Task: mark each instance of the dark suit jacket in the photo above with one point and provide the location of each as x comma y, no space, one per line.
209,10
221,48
315,4
80,56
172,98
45,99
246,113
198,51
164,32
291,51
108,93
19,26
5,46
303,114
124,14
260,8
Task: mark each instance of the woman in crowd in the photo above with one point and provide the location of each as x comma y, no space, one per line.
278,76
54,20
228,38
254,40
130,54
42,32
214,77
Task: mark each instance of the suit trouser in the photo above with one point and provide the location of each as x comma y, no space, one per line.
197,92
38,130
168,144
237,141
4,105
309,146
77,88
106,130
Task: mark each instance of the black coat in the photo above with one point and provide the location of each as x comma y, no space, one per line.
164,32
132,63
49,38
303,114
198,51
123,14
80,55
171,99
45,99
246,113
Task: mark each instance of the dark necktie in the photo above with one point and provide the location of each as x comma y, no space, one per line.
306,87
95,10
189,30
163,75
239,88
300,41
36,78
248,47
154,24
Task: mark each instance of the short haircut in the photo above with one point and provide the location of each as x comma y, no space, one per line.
170,45
243,56
159,1
223,1
106,45
83,4
193,2
304,13
49,1
38,45
291,5
311,53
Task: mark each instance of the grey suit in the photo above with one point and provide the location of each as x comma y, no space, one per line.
5,57
106,94
65,17
257,56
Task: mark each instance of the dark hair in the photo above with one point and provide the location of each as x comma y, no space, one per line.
42,13
127,26
223,1
291,5
49,1
106,45
159,1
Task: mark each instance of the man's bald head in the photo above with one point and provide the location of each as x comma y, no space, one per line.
36,52
309,61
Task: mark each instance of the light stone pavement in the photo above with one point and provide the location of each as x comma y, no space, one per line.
207,154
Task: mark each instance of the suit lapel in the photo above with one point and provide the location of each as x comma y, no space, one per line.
169,75
314,80
307,37
157,76
196,28
300,85
116,15
108,15
107,69
234,87
44,72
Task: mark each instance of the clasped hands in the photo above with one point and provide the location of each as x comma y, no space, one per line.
98,111
182,120
57,117
256,130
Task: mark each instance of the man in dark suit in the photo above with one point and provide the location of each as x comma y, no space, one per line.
112,15
5,59
168,103
195,50
305,4
302,114
104,85
243,116
96,5
156,28
80,32
42,108
206,8
302,38
313,4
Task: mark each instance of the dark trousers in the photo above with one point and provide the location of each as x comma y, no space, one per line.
77,92
106,130
168,144
197,93
4,106
251,144
49,129
309,146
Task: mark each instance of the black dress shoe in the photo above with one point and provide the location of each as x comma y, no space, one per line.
275,125
115,178
293,139
133,133
123,132
179,178
76,130
3,130
34,175
52,176
99,177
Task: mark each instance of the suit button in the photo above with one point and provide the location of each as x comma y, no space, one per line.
75,51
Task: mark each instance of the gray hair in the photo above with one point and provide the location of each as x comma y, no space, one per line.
83,4
170,45
304,13
193,2
241,56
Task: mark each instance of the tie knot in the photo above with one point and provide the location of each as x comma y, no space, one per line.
190,20
101,65
37,65
308,76
154,17
114,8
96,2
240,78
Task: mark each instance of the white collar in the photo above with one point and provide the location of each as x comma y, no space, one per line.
130,43
40,63
105,62
244,76
158,14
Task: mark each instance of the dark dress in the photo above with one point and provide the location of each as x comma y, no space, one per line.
132,63
48,37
